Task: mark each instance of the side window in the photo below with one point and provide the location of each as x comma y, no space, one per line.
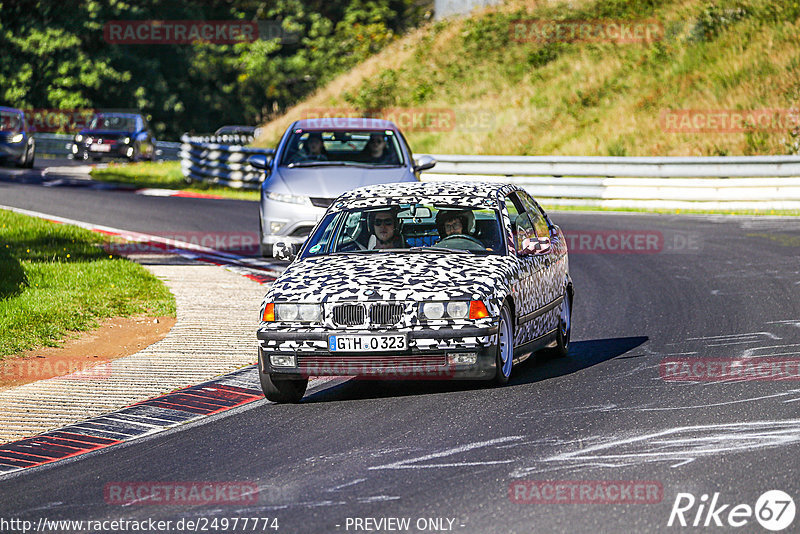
521,225
536,215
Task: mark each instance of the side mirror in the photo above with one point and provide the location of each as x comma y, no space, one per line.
260,161
424,163
282,251
535,246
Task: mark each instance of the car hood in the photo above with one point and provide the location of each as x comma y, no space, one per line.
393,276
330,182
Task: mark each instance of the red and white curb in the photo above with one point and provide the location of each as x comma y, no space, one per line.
256,269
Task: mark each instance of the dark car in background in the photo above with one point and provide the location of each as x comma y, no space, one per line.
115,135
16,143
319,159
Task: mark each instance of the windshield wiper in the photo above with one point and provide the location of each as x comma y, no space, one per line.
319,164
437,249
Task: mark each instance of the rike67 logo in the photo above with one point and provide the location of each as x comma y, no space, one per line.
774,510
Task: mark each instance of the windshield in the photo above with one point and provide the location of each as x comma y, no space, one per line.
342,147
113,122
408,228
10,121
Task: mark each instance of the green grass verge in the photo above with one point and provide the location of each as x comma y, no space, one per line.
165,175
58,279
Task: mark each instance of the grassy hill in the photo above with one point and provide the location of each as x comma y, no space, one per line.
505,95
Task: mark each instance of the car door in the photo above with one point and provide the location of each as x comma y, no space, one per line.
554,269
529,292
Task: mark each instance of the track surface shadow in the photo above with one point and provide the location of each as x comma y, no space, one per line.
582,354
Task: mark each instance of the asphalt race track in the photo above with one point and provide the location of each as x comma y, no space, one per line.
712,289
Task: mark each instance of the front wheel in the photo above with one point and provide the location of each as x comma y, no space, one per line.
30,158
279,389
505,348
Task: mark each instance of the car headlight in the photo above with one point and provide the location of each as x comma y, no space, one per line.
456,309
126,140
305,313
292,199
78,138
17,138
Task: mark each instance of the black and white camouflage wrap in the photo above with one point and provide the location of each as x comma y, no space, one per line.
527,283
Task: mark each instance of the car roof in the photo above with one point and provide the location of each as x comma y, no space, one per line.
344,123
477,194
12,110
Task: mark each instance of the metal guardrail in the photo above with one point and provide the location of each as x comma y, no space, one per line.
747,182
647,167
205,160
60,145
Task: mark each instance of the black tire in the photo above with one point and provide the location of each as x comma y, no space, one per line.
504,360
279,389
564,329
31,157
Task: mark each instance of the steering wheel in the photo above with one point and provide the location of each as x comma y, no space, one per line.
470,244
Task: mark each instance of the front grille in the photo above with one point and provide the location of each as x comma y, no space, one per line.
349,314
385,314
322,202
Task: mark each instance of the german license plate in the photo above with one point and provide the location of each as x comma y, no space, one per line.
101,148
368,343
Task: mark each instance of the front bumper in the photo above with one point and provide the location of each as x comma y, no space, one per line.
432,354
10,150
117,150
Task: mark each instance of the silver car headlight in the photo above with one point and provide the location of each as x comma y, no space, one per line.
17,138
78,138
305,313
456,309
291,199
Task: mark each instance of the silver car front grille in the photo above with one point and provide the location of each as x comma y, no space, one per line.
378,313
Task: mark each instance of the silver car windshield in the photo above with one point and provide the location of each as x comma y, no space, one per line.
409,228
342,147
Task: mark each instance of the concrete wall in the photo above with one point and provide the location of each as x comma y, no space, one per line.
446,8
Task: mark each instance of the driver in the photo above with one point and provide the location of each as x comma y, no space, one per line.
385,229
313,149
450,222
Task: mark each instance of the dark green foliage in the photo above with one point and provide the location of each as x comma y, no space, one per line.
55,56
